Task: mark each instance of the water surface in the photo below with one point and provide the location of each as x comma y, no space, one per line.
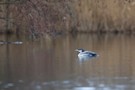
52,63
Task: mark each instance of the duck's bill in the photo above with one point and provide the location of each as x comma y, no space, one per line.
97,55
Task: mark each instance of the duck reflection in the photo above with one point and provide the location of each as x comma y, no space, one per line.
84,55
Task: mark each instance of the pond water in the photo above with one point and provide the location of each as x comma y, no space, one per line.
52,63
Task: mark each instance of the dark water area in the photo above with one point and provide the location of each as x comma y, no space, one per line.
52,63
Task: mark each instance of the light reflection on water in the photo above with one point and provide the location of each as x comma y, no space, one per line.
52,64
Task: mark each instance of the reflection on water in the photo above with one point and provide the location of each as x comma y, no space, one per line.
82,60
52,64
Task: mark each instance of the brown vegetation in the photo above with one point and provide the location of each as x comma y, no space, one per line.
105,15
37,16
57,16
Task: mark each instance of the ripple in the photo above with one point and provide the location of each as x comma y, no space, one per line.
8,85
84,88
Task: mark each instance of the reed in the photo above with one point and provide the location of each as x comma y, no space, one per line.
57,16
105,15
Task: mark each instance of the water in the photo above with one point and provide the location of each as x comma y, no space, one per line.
52,63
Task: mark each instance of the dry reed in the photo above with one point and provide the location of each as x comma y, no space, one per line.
105,15
57,16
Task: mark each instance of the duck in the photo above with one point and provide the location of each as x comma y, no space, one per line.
85,55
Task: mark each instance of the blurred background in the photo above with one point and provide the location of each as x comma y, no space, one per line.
38,39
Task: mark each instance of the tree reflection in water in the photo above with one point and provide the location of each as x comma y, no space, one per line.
50,64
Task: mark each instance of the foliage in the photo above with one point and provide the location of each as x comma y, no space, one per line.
105,15
37,17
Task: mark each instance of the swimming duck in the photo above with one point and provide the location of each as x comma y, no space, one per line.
85,55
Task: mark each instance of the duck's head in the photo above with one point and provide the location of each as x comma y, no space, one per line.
80,50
